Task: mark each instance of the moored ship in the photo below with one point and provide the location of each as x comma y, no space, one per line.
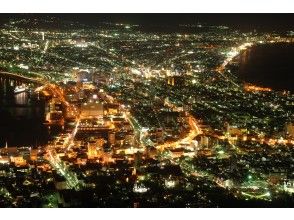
20,89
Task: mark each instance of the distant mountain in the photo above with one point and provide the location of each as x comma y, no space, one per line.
32,21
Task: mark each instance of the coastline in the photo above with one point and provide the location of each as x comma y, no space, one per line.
253,76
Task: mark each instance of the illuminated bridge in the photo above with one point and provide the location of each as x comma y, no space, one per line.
14,79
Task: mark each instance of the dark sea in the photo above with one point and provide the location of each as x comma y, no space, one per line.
268,65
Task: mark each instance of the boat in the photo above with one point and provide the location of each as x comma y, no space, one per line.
20,89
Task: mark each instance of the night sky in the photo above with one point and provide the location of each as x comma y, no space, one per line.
240,21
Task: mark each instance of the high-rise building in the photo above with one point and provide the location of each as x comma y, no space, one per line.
171,81
204,141
92,150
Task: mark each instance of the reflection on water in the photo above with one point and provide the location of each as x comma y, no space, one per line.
21,109
21,118
21,98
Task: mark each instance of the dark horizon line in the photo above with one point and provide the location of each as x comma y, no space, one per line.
243,21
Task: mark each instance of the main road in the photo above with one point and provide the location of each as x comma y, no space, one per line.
70,177
194,131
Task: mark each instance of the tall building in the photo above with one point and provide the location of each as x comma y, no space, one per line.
171,81
92,150
111,138
204,141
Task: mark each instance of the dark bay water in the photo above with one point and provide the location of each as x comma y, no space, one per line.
269,65
21,119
